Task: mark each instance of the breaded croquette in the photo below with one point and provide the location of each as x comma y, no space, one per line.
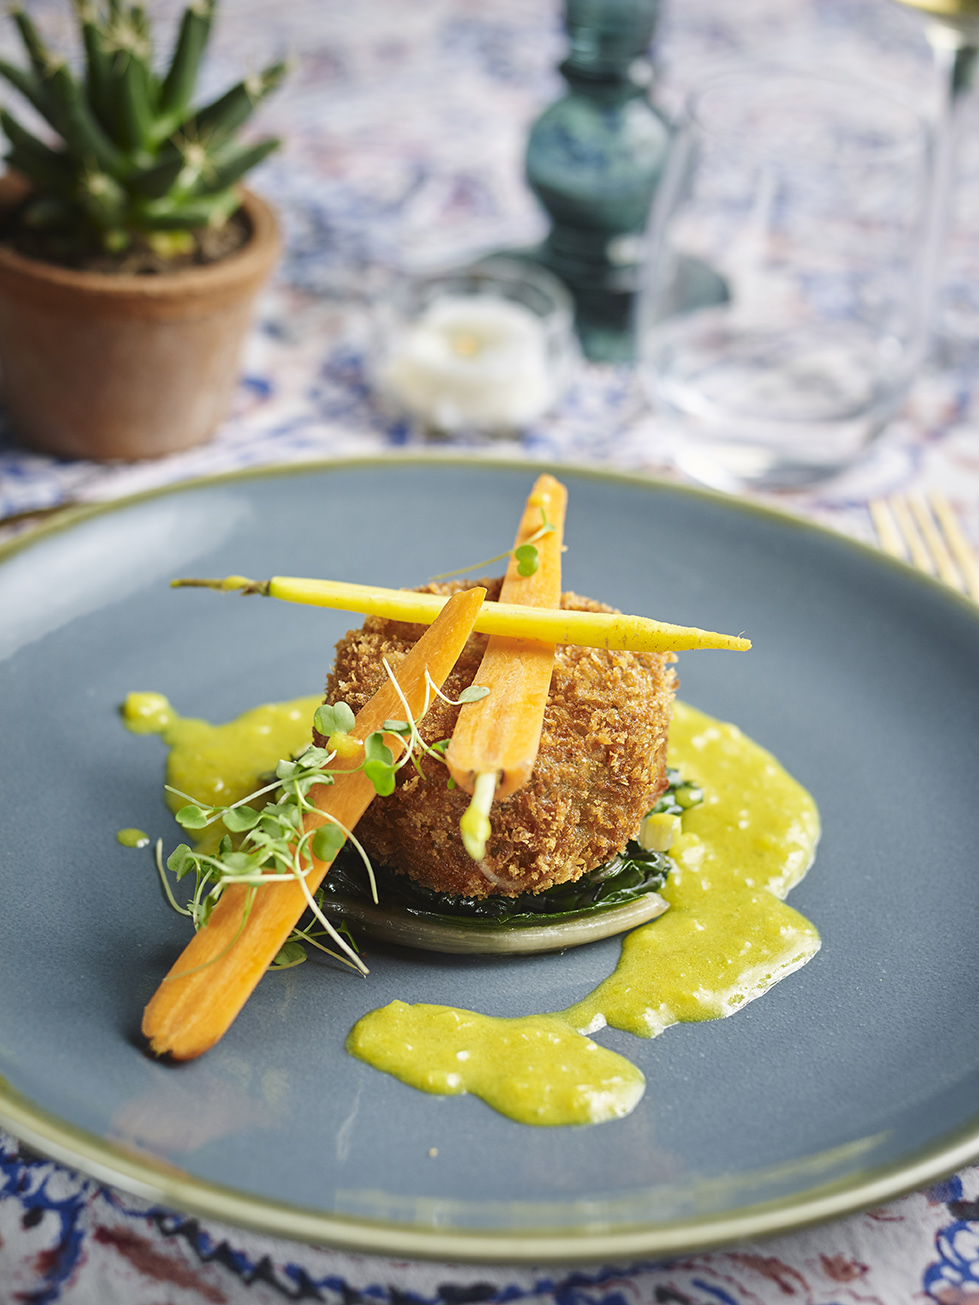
601,765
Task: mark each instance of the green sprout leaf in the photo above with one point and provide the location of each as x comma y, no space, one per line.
474,693
396,727
327,841
281,818
527,559
344,717
192,817
379,764
381,776
239,863
238,819
375,749
289,954
181,860
333,719
324,721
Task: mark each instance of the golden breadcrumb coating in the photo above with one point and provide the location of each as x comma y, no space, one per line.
601,765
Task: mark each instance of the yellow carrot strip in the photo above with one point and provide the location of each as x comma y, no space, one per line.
500,734
218,969
588,629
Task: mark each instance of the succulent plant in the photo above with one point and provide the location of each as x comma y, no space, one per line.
135,159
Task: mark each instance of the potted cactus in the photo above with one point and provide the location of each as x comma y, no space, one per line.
129,255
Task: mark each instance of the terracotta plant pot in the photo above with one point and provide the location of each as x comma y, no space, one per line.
100,366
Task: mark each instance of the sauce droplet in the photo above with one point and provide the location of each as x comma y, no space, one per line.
132,838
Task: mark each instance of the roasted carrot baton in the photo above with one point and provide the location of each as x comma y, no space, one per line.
495,741
218,969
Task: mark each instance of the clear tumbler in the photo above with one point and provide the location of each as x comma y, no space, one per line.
784,299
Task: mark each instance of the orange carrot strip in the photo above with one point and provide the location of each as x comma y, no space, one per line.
190,1011
500,734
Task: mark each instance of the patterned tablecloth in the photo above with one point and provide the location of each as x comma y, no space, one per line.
404,128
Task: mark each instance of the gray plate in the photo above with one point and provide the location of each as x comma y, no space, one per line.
855,1079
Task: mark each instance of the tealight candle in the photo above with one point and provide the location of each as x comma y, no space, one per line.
473,357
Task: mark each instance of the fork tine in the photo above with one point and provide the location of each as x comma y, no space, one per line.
959,546
920,556
927,533
888,535
899,534
935,541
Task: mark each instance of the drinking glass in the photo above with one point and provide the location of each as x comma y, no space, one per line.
952,30
782,311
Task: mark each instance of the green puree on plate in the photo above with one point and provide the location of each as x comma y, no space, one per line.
726,939
220,764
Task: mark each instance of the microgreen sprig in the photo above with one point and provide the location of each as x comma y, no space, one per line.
293,951
408,731
525,555
274,846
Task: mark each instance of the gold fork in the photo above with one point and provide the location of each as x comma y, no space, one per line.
924,530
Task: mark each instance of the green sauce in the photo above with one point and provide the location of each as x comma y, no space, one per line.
727,936
726,939
537,1069
220,764
132,838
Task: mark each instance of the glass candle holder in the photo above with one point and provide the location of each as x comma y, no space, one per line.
485,349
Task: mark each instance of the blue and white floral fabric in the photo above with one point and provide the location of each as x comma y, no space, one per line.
70,1240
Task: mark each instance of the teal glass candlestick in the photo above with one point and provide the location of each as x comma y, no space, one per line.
594,158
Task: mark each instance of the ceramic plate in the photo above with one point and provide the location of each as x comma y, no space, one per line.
853,1080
